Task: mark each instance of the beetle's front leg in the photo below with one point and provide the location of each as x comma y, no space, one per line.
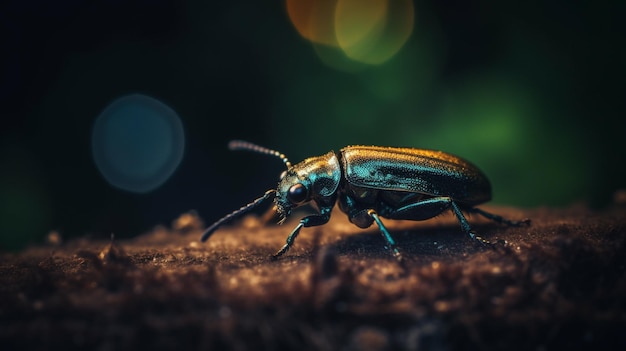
309,221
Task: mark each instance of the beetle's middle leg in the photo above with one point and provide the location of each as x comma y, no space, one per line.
363,218
383,230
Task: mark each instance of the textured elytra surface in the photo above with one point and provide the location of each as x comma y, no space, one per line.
559,283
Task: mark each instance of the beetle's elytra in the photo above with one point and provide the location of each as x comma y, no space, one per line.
370,182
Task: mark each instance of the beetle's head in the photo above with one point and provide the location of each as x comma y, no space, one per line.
292,191
314,179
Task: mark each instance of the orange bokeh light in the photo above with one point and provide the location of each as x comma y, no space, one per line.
314,19
366,31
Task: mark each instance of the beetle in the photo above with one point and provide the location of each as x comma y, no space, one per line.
370,182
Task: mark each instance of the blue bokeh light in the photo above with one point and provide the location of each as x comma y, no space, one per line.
137,143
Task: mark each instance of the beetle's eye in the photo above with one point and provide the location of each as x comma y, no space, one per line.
297,193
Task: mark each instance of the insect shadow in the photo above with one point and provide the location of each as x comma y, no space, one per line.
423,244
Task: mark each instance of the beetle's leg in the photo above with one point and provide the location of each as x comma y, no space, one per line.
432,207
309,221
499,219
419,210
290,239
465,224
363,218
392,243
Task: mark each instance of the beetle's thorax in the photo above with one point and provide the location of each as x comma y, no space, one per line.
319,175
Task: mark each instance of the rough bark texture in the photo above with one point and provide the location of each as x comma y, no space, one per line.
559,283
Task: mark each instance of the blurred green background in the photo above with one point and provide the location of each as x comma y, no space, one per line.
530,92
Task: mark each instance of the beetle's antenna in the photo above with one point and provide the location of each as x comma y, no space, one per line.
245,145
238,213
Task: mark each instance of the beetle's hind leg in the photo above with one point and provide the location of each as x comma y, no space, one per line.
465,224
432,207
499,219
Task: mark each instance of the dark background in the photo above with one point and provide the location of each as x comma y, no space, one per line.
530,92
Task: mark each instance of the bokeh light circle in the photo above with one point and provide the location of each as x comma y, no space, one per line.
314,19
366,31
373,31
137,143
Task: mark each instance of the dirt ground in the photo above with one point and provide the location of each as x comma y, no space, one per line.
559,283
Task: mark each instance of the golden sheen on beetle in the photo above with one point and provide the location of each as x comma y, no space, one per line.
370,182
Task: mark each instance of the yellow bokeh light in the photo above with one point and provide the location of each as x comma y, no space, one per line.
359,24
366,31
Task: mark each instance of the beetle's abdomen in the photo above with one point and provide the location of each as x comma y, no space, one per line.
422,171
